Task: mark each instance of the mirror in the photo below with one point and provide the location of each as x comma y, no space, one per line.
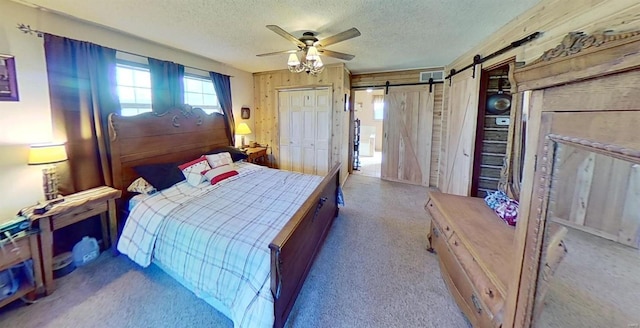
517,143
589,274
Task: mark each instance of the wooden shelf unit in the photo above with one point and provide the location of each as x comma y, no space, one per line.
491,138
25,248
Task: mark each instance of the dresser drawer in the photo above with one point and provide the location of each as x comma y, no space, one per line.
461,286
11,255
483,289
439,218
438,238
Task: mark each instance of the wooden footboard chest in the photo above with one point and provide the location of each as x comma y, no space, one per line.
474,248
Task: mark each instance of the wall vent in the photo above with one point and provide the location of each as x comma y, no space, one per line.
435,75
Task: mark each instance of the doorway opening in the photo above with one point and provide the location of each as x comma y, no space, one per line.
492,132
369,115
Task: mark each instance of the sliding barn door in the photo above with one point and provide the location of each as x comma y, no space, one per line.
305,130
461,132
408,124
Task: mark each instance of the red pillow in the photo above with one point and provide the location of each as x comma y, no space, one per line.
220,173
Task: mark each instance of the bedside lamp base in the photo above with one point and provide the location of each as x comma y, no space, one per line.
50,182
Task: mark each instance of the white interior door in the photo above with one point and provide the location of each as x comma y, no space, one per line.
305,130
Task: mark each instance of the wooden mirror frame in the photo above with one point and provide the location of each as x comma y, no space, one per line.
580,58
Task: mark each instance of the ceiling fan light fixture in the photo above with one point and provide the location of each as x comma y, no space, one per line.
310,63
318,63
312,53
293,60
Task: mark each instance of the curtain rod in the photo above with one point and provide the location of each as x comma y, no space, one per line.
26,29
388,84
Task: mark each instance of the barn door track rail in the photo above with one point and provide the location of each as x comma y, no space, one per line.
478,59
388,84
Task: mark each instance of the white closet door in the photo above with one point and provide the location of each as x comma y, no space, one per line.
308,124
284,103
305,130
323,131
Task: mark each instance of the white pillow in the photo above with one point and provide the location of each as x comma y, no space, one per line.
193,170
219,159
140,185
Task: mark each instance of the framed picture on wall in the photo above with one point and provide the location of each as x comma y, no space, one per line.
8,80
245,113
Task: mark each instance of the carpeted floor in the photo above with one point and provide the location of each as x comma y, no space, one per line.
373,271
595,285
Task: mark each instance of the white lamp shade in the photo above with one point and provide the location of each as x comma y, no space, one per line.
47,154
243,129
312,53
293,60
318,63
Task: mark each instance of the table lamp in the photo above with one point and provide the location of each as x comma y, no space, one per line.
48,154
242,130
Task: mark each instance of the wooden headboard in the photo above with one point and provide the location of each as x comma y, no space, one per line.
180,135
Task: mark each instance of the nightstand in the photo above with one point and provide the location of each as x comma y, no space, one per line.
25,248
257,155
75,208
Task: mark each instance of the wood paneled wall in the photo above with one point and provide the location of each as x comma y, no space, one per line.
601,196
555,18
412,76
394,77
265,88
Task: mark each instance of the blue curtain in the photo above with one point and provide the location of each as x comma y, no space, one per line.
167,88
82,92
222,84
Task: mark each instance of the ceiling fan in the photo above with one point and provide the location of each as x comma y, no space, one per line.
311,49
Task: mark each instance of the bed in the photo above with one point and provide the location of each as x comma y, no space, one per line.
183,134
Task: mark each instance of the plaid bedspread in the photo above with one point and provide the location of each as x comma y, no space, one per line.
216,238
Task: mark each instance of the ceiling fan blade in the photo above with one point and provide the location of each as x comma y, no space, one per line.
286,35
342,36
278,53
336,54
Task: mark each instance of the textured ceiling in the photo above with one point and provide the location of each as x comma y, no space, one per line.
396,34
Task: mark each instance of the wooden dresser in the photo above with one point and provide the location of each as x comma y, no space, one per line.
475,252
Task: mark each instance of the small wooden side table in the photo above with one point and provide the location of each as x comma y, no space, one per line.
75,208
257,155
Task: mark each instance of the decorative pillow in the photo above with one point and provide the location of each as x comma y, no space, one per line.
141,186
236,154
220,173
495,198
508,211
193,170
219,159
160,176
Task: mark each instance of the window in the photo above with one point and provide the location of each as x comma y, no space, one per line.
134,89
378,107
199,92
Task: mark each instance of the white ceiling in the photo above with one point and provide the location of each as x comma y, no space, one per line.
396,34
